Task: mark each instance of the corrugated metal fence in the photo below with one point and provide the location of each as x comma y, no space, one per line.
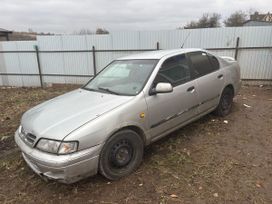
74,59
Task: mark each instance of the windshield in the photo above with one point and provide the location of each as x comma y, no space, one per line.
122,77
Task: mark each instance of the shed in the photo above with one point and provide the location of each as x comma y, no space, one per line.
5,33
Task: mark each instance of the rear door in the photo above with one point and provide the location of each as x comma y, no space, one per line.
209,79
167,110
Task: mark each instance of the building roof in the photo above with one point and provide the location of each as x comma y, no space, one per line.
255,23
158,54
4,31
261,17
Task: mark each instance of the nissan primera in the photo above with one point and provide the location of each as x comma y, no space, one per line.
134,101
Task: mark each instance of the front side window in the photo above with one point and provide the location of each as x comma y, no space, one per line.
174,70
122,77
201,63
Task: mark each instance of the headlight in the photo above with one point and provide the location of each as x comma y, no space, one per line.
57,147
46,145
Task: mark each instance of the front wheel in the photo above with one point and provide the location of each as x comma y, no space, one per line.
225,104
121,154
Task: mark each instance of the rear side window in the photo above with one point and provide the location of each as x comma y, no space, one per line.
202,63
174,70
214,61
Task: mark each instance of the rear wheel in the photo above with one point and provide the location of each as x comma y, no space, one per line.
121,154
225,104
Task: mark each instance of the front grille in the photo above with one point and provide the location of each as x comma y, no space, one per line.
30,138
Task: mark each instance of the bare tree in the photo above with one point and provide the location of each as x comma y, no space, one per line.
30,30
101,31
83,31
206,21
191,25
236,19
214,20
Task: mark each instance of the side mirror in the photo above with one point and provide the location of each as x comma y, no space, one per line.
162,88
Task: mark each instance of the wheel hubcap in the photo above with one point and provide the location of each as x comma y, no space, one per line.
121,153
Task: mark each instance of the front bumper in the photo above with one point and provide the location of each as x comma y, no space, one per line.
64,168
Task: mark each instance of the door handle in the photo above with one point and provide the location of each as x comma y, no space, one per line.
220,76
191,89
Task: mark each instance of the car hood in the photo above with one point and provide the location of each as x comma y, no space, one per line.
56,118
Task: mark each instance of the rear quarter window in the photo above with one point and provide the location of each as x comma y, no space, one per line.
214,61
202,63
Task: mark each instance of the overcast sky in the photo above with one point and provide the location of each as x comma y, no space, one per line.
66,16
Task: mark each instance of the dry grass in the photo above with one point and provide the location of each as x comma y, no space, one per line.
208,161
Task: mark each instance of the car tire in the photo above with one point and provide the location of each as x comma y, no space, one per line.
121,154
225,103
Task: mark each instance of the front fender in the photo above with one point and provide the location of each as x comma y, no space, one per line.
100,129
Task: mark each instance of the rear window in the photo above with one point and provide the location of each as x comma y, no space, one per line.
203,64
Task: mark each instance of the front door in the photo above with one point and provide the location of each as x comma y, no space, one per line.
168,110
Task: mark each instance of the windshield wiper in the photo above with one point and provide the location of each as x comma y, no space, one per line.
89,89
108,90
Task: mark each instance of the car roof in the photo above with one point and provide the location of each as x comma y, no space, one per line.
158,54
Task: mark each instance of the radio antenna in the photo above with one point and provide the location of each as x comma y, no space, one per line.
185,39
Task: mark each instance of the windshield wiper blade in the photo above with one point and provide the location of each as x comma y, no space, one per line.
108,90
89,89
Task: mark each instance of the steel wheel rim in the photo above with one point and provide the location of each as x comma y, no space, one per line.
121,154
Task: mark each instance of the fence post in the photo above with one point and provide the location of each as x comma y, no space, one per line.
94,62
236,48
158,45
39,64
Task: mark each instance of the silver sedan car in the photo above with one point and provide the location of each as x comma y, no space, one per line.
105,125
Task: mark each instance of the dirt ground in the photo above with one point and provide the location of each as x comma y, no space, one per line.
213,160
